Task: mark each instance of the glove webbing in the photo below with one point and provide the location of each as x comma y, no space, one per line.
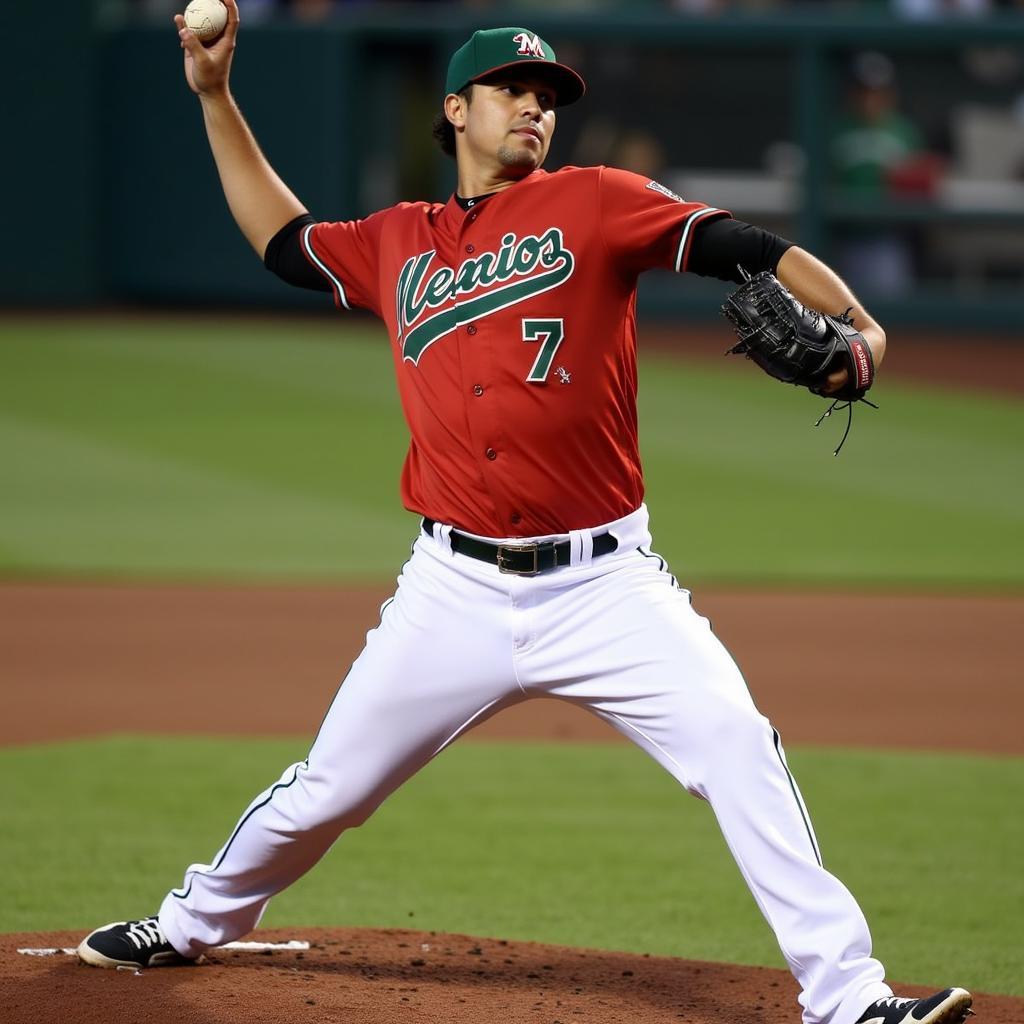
768,301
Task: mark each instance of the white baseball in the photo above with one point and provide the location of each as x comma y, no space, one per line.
206,18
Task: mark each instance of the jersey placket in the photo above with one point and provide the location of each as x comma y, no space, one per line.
480,354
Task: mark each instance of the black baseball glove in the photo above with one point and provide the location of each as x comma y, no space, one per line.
796,344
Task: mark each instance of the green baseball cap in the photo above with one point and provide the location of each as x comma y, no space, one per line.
496,49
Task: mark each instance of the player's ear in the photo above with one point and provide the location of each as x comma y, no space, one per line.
455,106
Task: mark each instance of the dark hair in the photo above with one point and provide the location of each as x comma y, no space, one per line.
443,130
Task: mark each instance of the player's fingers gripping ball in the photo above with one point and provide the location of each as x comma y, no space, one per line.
206,18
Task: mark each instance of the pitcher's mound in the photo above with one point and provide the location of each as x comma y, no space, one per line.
381,977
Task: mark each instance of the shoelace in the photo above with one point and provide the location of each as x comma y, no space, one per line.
146,933
899,1002
848,406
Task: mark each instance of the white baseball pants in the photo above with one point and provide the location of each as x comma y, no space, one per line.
460,641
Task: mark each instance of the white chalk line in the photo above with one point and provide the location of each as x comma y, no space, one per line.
293,944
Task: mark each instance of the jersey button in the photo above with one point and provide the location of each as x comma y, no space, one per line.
515,518
491,454
472,216
478,390
470,248
471,329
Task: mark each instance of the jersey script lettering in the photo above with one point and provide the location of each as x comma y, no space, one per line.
521,268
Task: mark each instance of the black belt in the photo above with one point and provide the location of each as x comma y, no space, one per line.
522,559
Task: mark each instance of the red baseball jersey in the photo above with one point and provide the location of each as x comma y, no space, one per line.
513,332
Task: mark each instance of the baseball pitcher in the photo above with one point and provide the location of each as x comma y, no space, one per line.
510,311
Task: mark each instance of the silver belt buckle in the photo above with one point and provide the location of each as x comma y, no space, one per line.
502,548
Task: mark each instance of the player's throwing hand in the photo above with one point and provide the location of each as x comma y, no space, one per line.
207,68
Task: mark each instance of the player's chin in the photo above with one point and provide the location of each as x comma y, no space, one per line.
521,159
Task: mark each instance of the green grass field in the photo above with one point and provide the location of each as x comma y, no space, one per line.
583,845
218,448
210,448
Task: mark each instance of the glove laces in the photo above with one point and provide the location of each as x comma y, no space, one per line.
839,403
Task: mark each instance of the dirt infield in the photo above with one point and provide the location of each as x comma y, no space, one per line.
942,672
383,977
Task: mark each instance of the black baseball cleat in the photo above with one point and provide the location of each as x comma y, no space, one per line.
950,1006
130,944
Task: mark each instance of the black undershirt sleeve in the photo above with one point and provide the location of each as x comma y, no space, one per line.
722,244
718,247
284,257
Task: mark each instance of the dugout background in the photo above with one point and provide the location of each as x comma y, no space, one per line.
111,195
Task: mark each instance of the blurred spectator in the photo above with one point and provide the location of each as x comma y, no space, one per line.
878,153
876,147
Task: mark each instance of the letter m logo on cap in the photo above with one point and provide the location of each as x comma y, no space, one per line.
529,46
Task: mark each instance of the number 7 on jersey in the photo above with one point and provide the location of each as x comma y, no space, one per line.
550,334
